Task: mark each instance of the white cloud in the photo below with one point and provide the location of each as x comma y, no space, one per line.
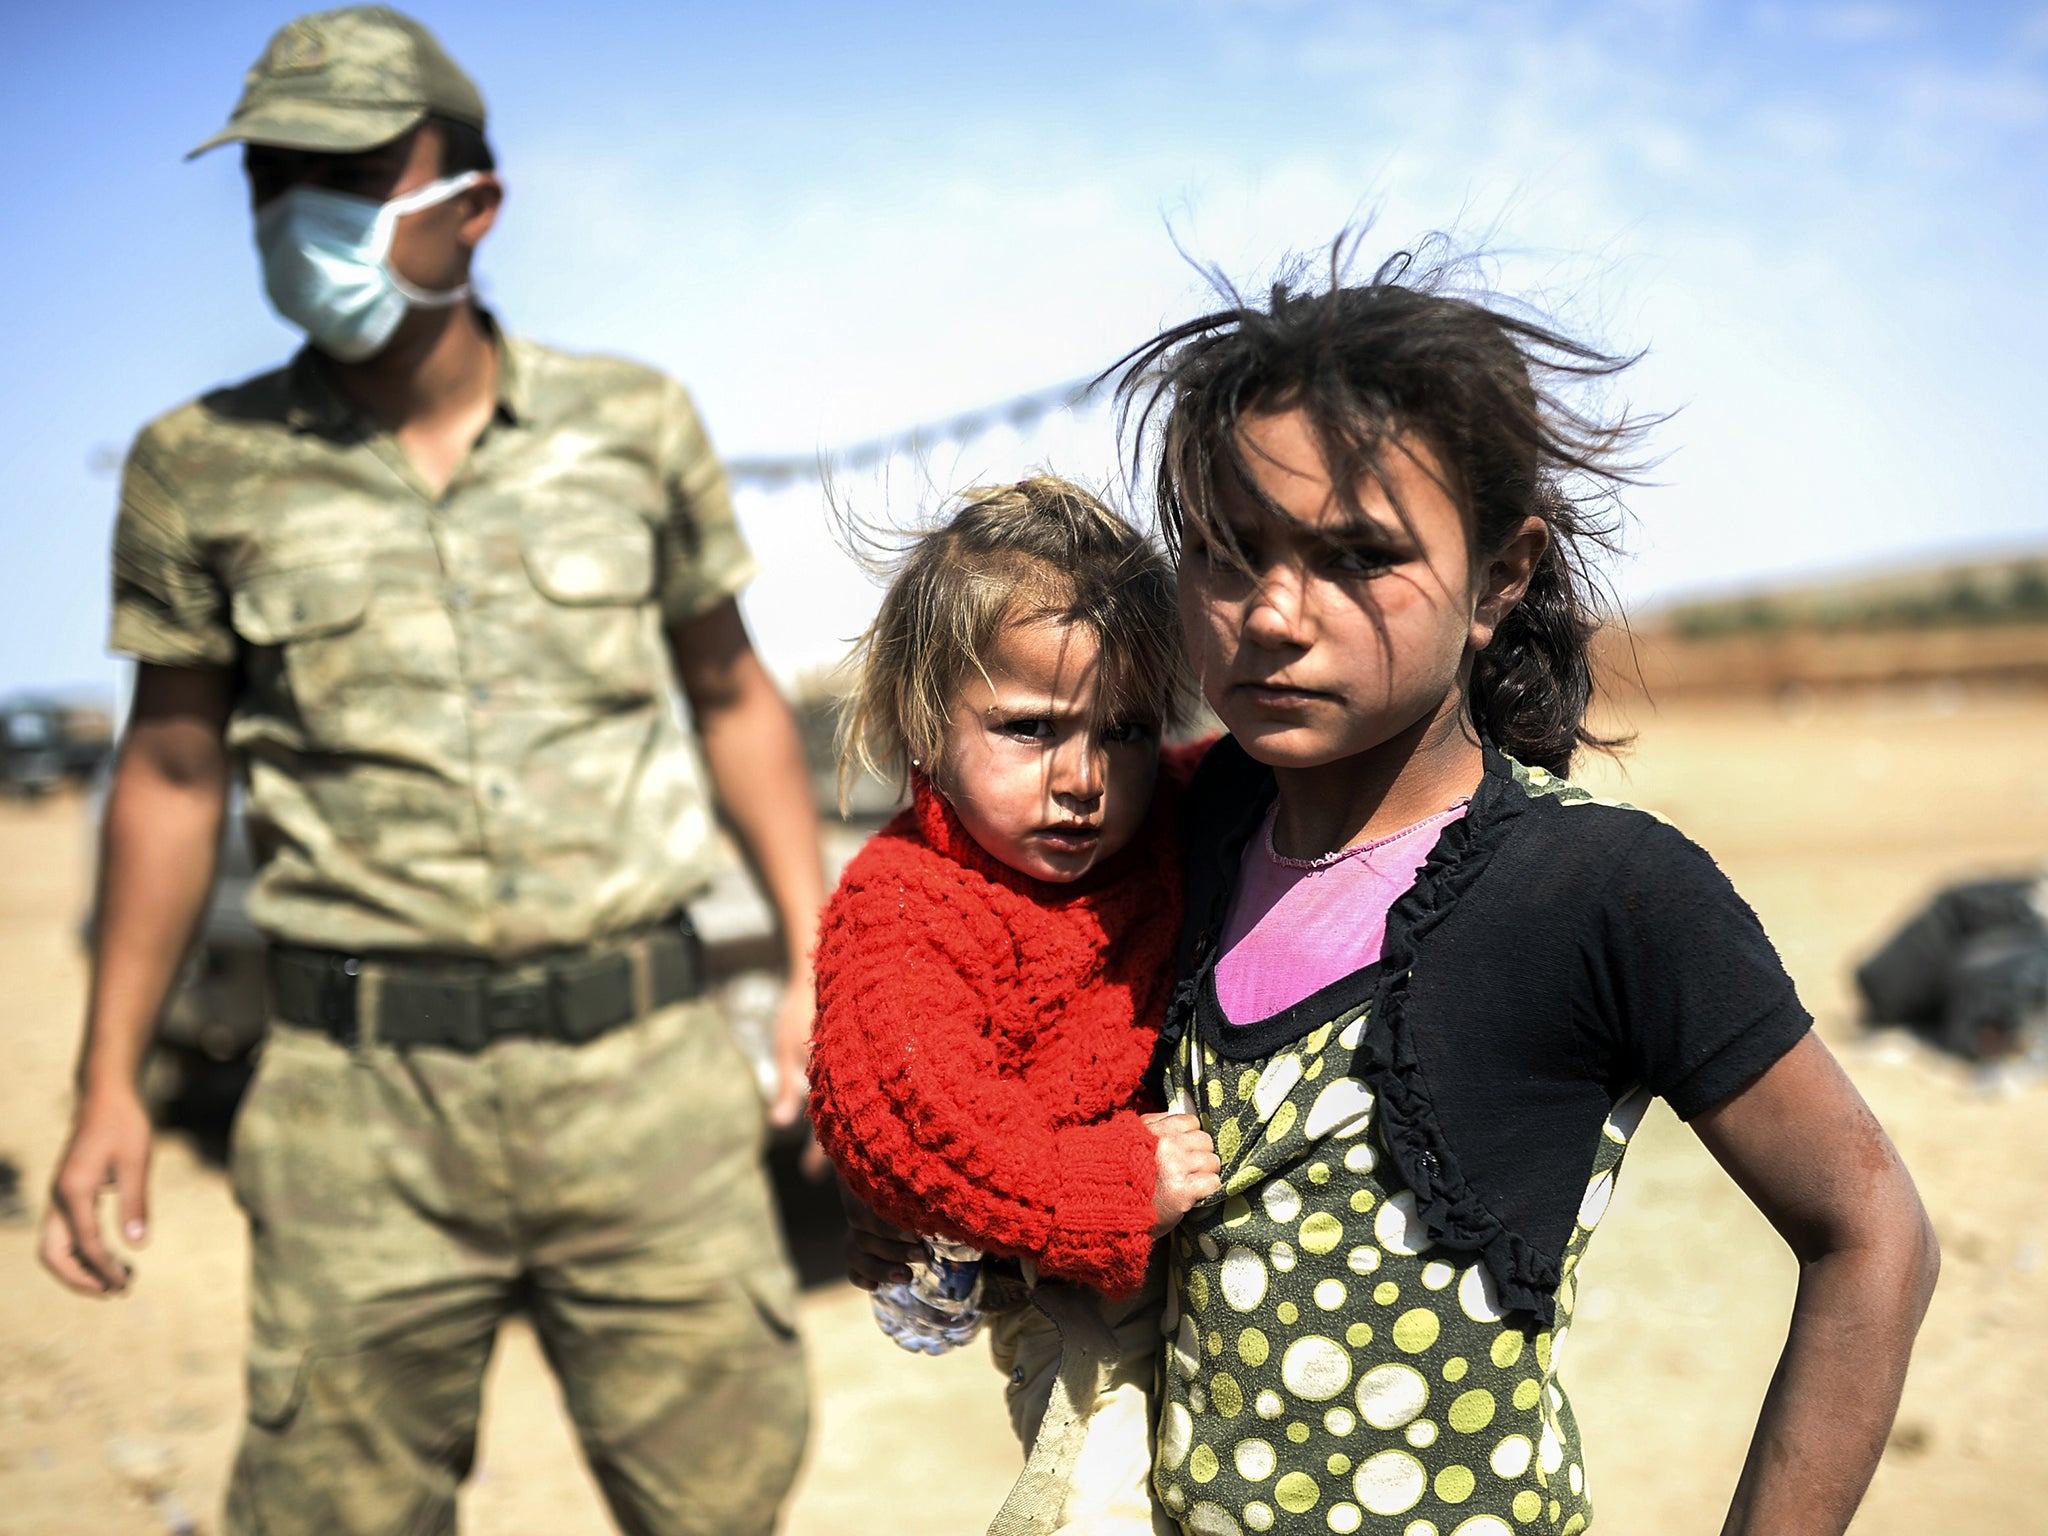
1826,245
1789,255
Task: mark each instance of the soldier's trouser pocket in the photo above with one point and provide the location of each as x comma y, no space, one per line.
401,1202
670,1313
371,1315
692,1414
340,1442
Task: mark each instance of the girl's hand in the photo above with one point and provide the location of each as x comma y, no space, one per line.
876,1253
1186,1169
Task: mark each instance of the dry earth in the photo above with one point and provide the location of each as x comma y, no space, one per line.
118,1418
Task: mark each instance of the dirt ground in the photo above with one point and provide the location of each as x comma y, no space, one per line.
1834,817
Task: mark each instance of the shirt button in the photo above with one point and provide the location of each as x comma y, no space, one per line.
507,889
481,693
497,794
459,597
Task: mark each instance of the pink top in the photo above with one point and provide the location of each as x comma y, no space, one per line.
1296,925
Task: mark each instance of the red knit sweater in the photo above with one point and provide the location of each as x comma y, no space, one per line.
982,1039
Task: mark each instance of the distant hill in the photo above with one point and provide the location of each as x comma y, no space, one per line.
1980,619
2009,591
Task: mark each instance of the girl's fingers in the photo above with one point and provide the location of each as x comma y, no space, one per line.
890,1246
867,1271
874,1258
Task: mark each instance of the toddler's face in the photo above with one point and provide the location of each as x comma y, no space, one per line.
1036,778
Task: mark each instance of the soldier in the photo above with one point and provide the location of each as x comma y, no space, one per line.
431,587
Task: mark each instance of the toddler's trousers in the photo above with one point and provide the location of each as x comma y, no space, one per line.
1081,1376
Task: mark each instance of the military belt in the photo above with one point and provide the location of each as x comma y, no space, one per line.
465,1005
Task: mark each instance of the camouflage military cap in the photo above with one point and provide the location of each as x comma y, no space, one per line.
339,82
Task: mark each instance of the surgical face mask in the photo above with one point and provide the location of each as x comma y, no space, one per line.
327,264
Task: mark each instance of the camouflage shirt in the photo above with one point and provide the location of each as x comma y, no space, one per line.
457,712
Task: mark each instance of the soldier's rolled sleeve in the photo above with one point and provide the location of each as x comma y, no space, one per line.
168,608
704,558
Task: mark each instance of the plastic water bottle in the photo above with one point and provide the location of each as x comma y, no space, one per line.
940,1308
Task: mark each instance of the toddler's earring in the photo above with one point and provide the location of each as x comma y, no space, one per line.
917,762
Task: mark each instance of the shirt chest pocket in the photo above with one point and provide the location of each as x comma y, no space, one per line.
285,607
594,630
305,651
321,644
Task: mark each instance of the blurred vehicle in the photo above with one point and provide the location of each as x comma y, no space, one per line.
31,756
46,742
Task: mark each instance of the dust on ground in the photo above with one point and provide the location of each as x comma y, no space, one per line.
1835,817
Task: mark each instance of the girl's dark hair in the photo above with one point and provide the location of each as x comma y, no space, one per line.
1403,354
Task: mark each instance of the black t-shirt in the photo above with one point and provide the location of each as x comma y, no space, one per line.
1555,952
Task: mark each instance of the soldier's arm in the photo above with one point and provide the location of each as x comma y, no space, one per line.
758,770
157,853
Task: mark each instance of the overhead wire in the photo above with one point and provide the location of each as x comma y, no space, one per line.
1020,412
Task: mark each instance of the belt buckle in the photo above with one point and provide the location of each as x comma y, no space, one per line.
335,997
591,995
517,1008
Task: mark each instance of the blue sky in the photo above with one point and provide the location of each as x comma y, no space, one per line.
1823,220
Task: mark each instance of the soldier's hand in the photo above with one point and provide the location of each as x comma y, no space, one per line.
1186,1170
792,1049
110,1145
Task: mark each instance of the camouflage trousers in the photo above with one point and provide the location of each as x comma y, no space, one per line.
403,1201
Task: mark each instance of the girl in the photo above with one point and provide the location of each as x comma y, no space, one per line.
993,967
1427,985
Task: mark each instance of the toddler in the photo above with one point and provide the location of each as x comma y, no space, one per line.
993,967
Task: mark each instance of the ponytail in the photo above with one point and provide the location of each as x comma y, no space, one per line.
1531,687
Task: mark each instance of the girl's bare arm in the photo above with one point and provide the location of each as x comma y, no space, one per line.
1805,1147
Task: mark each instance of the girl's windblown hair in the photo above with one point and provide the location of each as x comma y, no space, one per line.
1404,355
1042,550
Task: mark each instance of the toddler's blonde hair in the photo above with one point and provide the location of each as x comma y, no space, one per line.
1044,550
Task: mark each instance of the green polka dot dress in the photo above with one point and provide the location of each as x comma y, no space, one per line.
1327,1368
